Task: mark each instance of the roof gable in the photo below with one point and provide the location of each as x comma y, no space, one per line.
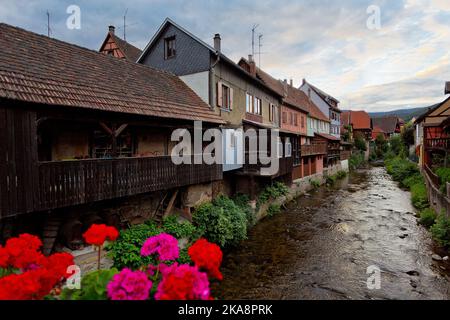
388,124
120,48
360,120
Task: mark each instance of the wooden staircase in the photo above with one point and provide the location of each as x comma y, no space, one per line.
166,204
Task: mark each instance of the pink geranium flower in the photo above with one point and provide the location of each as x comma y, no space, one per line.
165,245
129,285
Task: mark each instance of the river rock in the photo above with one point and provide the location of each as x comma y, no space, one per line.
445,258
436,257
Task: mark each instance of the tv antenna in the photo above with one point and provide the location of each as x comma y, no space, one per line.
260,36
253,38
48,24
124,25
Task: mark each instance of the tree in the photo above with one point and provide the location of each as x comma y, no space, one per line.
381,145
360,143
408,135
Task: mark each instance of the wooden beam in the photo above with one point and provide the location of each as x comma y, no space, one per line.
120,129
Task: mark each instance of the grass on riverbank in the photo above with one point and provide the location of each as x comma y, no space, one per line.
409,177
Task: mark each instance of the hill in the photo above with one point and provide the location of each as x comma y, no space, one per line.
405,114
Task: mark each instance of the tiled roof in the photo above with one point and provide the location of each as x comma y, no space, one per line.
292,96
327,136
38,69
387,124
131,52
360,120
324,96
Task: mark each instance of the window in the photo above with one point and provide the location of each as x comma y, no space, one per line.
273,114
257,106
288,148
169,47
303,122
249,103
224,96
280,148
295,119
284,117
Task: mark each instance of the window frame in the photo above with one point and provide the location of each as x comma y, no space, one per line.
167,41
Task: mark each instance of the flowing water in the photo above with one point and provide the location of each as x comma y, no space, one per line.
321,246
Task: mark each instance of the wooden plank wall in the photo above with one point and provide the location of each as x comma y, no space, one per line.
18,154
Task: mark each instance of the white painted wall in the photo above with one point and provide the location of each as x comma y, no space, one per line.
199,83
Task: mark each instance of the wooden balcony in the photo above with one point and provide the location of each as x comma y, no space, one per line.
333,153
286,166
313,149
437,144
59,184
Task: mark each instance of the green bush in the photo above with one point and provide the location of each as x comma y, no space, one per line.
273,209
126,250
185,229
356,160
401,169
93,286
441,230
341,174
331,180
419,196
360,143
444,177
243,202
411,180
222,221
314,183
427,217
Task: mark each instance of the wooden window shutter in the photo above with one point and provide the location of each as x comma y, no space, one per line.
219,94
231,97
270,112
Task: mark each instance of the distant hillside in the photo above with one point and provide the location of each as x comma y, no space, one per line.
405,114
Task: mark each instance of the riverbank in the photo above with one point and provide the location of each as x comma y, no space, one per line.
321,245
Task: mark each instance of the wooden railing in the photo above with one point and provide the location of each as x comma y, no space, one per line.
67,183
313,149
285,166
438,143
433,177
333,153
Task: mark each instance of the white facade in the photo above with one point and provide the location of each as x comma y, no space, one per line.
199,83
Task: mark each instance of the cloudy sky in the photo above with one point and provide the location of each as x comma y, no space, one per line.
403,64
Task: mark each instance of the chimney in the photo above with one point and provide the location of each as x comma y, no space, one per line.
291,82
252,65
112,29
285,87
303,81
217,40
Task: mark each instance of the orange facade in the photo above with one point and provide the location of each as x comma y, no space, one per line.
294,120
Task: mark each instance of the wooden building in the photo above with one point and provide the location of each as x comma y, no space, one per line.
79,127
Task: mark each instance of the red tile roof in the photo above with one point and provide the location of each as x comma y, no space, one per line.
292,96
38,69
327,136
360,120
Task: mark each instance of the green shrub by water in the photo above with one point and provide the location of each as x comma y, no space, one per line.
441,230
274,209
356,160
419,196
243,202
222,221
444,177
427,217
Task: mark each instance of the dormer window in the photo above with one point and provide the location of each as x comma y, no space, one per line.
170,47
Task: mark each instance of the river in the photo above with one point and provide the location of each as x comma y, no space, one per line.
321,246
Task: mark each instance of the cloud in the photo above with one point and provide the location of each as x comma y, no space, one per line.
404,64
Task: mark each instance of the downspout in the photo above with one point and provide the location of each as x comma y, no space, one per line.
211,80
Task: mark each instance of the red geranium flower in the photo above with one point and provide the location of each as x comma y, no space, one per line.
4,257
207,256
24,251
97,234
